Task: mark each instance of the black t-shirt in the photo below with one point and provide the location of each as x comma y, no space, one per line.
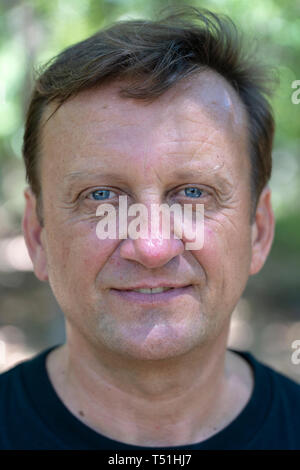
33,417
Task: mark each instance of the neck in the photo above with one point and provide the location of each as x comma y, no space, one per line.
174,401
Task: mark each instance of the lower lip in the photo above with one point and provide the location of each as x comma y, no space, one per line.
160,297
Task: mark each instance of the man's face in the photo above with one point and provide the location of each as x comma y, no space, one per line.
194,136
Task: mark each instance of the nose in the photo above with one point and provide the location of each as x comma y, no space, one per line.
154,246
151,252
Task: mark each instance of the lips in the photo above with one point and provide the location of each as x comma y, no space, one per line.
147,285
152,294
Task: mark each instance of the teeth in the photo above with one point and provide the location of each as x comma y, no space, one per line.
156,290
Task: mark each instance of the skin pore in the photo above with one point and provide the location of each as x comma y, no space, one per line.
156,373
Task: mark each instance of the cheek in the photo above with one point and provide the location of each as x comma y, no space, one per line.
225,260
211,254
225,251
77,254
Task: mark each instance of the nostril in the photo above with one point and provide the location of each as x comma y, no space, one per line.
151,253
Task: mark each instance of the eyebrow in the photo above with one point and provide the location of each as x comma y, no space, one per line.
222,180
81,175
187,174
190,174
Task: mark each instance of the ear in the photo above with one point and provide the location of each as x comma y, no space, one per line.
33,234
262,231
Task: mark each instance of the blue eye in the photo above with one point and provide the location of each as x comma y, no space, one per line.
193,192
100,194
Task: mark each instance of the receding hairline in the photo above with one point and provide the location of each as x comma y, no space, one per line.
226,99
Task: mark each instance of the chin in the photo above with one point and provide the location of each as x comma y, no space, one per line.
156,349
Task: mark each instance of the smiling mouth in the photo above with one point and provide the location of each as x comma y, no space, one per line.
154,290
152,295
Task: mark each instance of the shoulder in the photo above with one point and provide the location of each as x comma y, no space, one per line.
285,387
12,387
21,388
280,380
274,407
11,391
9,376
284,392
262,370
14,381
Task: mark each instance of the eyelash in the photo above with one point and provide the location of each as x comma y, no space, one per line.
203,193
100,189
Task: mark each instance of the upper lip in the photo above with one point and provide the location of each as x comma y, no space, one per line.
153,286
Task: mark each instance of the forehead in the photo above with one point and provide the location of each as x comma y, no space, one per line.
199,108
206,89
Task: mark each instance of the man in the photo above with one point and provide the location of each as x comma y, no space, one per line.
158,112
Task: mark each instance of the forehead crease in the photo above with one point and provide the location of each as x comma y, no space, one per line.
195,113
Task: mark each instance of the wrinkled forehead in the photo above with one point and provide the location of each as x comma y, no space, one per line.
201,117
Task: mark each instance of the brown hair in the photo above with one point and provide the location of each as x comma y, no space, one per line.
155,55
